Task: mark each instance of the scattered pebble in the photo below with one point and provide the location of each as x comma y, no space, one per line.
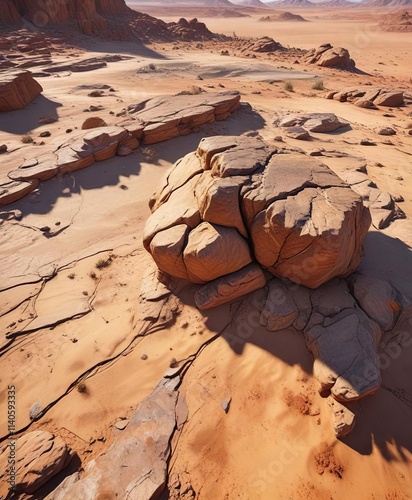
144,357
45,134
225,404
3,149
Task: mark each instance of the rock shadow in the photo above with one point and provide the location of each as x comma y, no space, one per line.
24,120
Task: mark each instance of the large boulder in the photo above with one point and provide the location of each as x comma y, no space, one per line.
235,201
17,90
330,57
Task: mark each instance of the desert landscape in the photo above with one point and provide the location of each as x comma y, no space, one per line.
206,232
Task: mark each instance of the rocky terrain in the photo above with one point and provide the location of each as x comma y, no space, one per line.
205,256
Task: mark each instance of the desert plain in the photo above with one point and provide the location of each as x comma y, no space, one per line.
143,394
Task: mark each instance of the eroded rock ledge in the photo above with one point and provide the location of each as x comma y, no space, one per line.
151,121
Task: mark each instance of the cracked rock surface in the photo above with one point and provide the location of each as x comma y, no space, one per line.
235,200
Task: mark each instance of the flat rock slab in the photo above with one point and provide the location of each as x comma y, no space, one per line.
135,465
151,121
166,117
314,122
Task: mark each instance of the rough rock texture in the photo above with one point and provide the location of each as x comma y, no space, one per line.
135,465
314,122
40,455
285,210
368,97
398,22
152,121
264,44
17,90
331,57
190,30
166,117
343,418
381,205
106,18
230,287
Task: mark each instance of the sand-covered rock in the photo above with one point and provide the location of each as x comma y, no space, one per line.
288,212
39,456
17,90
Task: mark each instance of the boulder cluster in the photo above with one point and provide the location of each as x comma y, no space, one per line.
368,97
236,206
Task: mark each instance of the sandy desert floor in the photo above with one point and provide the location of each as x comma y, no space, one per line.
78,323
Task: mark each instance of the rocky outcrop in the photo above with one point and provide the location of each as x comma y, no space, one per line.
284,210
314,122
17,90
264,44
149,122
398,22
190,30
39,455
330,57
166,117
368,97
110,19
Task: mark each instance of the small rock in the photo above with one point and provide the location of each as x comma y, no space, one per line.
121,424
69,130
96,93
398,198
317,152
3,149
45,134
225,404
124,151
386,131
35,410
93,122
366,142
144,357
399,178
173,363
45,229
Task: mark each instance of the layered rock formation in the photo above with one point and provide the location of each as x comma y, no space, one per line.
368,97
17,90
111,19
148,122
236,201
330,57
39,456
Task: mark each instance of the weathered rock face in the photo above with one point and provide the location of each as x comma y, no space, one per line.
17,90
8,12
39,456
235,200
368,97
264,44
330,57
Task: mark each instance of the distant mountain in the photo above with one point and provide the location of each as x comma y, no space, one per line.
336,3
389,3
250,3
291,3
